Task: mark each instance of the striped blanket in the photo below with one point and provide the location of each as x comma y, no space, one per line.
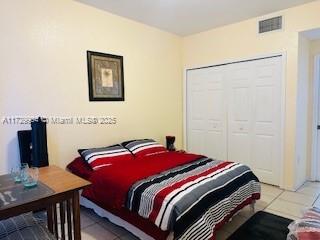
192,199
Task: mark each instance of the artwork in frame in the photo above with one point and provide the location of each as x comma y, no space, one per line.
105,76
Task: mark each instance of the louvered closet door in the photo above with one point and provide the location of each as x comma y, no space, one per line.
206,112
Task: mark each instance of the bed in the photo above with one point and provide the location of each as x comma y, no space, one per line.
167,195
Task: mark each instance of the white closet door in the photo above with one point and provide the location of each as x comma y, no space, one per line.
216,126
266,119
254,116
206,112
196,115
234,113
240,77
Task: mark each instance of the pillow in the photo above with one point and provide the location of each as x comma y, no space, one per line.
105,156
308,227
80,168
144,147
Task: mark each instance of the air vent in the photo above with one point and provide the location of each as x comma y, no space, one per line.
270,24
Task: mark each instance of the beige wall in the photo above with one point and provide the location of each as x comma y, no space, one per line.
43,72
240,40
302,110
43,48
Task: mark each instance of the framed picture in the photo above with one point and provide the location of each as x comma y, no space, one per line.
105,75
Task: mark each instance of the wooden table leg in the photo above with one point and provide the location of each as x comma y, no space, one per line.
62,220
76,215
50,218
69,223
55,222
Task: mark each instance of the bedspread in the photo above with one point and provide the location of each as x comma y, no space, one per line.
187,194
192,198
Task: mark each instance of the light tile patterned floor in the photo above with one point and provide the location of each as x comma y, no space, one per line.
274,200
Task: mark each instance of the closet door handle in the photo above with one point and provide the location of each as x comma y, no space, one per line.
318,127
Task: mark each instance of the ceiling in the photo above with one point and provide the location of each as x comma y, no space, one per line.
185,17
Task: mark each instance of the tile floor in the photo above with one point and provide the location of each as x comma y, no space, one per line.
274,200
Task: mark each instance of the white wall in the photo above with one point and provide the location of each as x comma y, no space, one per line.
43,48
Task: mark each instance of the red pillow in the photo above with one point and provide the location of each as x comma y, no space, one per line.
80,168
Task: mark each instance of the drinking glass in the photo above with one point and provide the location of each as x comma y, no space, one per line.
15,173
23,171
19,172
31,179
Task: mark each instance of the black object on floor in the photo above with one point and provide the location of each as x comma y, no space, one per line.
263,226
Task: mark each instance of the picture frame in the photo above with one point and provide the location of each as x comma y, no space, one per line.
105,77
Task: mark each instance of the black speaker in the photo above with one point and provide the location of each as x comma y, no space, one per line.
170,143
25,146
39,143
